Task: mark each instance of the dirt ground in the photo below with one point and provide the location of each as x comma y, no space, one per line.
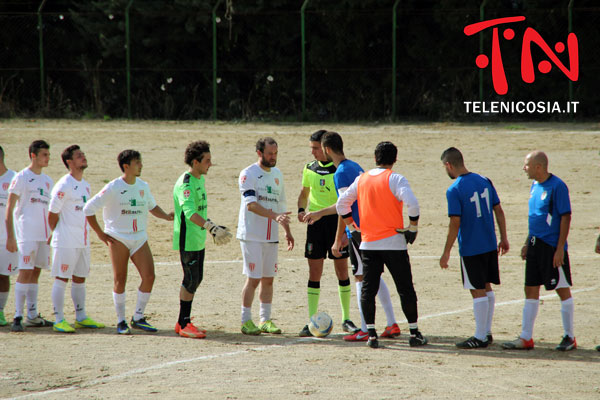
99,364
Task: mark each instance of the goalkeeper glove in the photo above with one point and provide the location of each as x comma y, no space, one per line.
409,233
220,234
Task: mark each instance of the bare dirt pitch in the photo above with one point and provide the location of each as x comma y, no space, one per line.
99,364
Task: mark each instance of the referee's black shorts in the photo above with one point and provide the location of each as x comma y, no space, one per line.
320,237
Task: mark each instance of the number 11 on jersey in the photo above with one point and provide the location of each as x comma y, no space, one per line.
475,199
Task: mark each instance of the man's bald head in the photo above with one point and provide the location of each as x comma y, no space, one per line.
536,165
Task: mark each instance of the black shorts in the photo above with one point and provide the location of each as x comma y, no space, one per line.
479,269
320,237
193,268
539,266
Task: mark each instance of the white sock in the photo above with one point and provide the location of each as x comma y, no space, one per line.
20,295
265,312
58,299
530,310
140,307
363,325
246,314
386,302
491,305
3,300
78,297
119,300
566,309
480,310
32,296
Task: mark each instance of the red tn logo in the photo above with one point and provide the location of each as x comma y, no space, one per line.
527,68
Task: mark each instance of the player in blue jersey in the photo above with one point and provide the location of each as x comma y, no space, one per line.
545,251
346,172
472,204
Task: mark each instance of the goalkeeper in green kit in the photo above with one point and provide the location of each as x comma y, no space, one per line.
189,231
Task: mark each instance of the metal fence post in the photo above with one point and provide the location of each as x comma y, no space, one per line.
303,49
394,25
128,58
214,57
41,49
481,17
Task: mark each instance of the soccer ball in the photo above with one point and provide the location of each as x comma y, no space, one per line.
320,324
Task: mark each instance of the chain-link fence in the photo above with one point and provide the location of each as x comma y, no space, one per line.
358,61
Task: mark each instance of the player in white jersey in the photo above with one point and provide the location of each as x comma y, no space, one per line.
125,203
8,260
70,242
262,207
27,231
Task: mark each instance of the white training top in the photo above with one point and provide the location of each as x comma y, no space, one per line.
125,207
4,185
68,199
401,190
266,188
31,211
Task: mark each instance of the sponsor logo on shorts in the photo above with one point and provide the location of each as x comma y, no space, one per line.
26,259
64,267
309,247
60,195
186,193
251,266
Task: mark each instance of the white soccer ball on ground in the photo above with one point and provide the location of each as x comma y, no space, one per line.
320,324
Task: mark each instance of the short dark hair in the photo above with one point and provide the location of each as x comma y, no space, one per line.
36,146
67,154
260,145
195,151
126,156
334,141
316,136
452,156
385,153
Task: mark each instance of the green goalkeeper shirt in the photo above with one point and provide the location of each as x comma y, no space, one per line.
189,197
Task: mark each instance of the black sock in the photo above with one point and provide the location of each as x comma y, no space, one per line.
414,331
372,333
185,309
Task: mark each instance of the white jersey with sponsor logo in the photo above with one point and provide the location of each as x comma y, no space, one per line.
4,185
266,188
124,207
68,199
31,211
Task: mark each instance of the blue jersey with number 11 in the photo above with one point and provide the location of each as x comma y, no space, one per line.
472,197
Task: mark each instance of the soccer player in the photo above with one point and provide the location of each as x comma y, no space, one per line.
347,171
262,204
471,200
125,202
189,232
545,251
381,195
28,199
8,260
70,242
318,192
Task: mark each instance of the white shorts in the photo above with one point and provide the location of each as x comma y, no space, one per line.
34,254
9,262
260,259
132,242
67,262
